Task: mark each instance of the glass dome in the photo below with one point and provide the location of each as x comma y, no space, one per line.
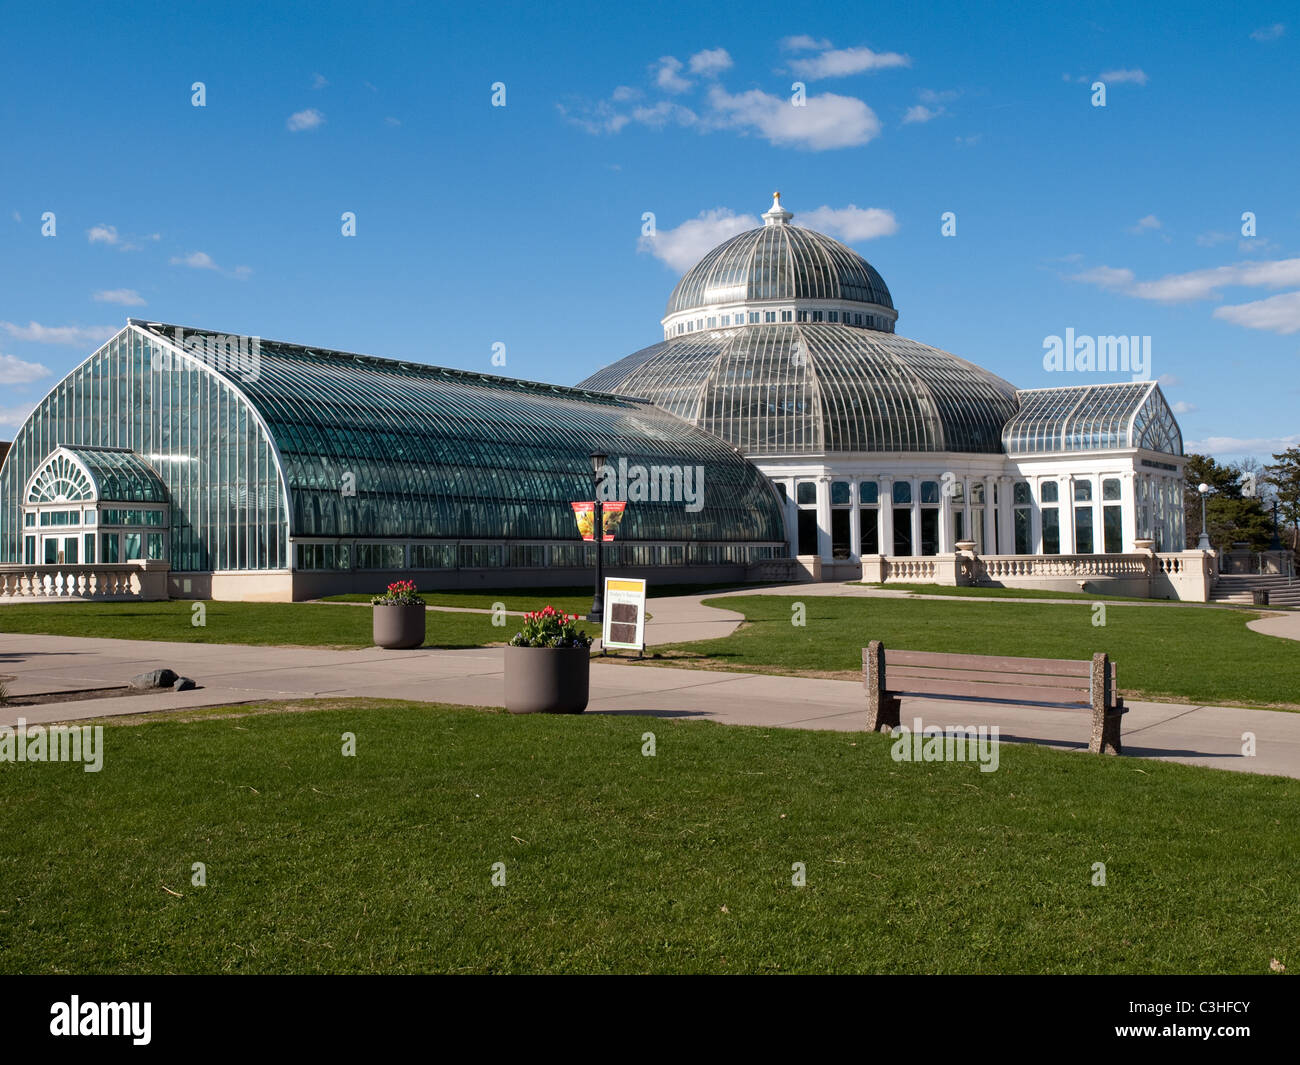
779,261
817,388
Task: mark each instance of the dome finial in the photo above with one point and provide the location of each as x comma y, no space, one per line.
776,215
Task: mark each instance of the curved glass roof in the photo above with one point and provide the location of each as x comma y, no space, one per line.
804,388
433,452
779,262
1092,418
106,474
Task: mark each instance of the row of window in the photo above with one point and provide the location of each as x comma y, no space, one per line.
719,321
869,492
394,556
79,549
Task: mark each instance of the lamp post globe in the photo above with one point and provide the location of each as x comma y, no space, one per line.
598,534
1203,544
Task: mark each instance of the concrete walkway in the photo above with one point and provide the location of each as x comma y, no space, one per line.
1197,735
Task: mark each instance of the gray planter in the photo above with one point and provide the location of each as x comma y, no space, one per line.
399,628
547,680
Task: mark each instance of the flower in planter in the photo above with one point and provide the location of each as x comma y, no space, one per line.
550,628
400,593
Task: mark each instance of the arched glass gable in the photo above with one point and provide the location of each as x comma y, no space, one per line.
1093,418
194,429
807,388
60,479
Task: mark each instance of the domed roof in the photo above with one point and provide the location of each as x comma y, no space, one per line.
802,388
779,261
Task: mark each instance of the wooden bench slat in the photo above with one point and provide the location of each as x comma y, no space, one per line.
899,673
1061,667
989,692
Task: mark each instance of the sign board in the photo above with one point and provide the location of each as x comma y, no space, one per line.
624,621
610,513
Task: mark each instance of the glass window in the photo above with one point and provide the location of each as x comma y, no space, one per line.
929,491
839,493
1083,530
1051,531
1050,491
805,493
753,317
868,492
977,492
29,519
154,546
1083,491
833,316
902,531
902,491
1113,529
131,541
1110,488
803,316
817,316
110,542
840,533
51,551
769,316
1020,495
787,316
90,517
807,532
29,551
1023,532
930,531
869,518
780,489
90,549
70,551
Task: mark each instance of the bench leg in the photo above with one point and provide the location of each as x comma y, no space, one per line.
883,715
1105,731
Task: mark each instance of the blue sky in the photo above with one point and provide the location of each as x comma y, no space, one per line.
521,225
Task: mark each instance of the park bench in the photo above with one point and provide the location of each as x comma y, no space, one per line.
1058,682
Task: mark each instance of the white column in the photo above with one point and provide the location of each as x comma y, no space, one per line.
945,518
855,521
824,518
1067,515
886,521
1006,520
990,517
916,515
1035,518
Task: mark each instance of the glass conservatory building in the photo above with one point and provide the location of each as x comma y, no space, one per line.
263,470
782,342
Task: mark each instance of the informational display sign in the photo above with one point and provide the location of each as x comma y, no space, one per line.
611,514
624,622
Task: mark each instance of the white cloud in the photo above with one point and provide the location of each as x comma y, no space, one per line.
967,142
1213,238
1143,224
624,93
662,113
921,113
391,121
1268,33
1240,446
1106,277
1197,284
318,81
59,334
126,297
710,61
932,96
13,371
17,217
826,121
842,62
102,234
201,260
667,73
301,120
683,247
1169,380
1182,407
13,417
1118,76
851,223
803,43
1276,314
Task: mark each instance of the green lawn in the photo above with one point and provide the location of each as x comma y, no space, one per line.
616,862
969,591
569,600
1181,654
279,624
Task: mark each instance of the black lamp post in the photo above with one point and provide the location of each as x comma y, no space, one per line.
1203,544
598,533
1275,544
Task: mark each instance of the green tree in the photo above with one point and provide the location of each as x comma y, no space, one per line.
1232,515
1284,476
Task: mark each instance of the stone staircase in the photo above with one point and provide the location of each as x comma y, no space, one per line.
1239,588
